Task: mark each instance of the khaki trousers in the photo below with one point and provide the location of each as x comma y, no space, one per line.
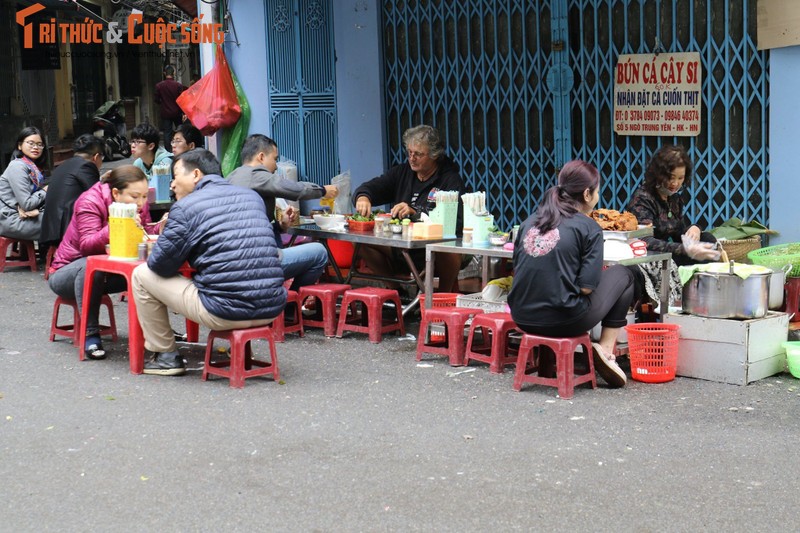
155,296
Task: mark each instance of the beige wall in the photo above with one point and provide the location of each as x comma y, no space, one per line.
778,23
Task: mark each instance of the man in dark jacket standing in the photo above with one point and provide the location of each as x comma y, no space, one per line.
225,235
70,179
167,91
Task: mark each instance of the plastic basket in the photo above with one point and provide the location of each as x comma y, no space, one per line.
653,351
737,249
778,257
476,300
440,299
793,357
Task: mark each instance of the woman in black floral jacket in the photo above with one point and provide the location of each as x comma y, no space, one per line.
660,202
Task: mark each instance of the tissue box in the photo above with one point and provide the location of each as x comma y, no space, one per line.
427,230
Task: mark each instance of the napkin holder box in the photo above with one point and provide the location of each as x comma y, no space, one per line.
427,230
124,237
480,225
446,214
160,181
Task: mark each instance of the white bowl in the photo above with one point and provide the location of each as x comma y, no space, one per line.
329,221
614,250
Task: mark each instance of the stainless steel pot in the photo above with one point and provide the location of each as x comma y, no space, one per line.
776,283
726,295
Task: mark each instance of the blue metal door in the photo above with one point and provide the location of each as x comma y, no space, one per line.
302,86
519,87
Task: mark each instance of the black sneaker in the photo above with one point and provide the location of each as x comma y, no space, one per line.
165,364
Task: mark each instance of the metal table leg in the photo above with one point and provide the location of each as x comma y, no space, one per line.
665,289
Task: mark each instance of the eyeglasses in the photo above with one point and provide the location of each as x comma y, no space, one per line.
138,141
33,144
416,155
177,141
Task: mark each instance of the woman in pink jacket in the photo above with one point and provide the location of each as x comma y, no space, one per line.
87,234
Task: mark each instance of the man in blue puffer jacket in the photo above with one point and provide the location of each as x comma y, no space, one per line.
225,235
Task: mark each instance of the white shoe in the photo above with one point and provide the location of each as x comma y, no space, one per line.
608,368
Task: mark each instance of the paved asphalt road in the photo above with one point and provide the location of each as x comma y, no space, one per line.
362,438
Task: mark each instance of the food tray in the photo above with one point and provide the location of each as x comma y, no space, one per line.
476,300
644,231
778,257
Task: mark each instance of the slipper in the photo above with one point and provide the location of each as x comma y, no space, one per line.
608,368
95,351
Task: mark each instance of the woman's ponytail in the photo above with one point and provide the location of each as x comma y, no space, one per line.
566,198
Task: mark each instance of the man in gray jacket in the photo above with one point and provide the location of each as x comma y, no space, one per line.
222,232
305,263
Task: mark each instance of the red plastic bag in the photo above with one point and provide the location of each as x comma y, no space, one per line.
211,103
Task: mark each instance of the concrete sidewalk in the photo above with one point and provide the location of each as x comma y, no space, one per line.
362,438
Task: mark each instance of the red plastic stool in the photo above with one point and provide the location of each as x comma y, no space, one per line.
370,317
280,326
241,363
51,252
70,330
528,363
453,319
5,260
494,349
325,295
791,302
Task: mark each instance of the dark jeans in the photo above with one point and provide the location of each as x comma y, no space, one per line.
168,126
67,282
608,304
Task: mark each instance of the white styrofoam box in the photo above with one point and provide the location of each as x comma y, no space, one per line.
731,351
594,333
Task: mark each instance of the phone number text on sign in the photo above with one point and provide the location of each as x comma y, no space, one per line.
658,94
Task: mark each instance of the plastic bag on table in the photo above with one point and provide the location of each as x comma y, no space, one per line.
288,169
342,203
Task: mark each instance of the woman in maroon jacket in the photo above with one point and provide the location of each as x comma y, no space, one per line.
87,234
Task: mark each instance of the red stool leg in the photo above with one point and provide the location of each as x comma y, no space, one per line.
375,318
455,340
51,251
523,360
279,326
239,349
347,301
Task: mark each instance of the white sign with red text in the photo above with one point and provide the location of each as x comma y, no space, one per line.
658,94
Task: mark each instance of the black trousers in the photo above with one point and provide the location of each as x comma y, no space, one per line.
608,304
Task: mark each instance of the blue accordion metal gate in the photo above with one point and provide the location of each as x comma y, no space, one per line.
519,87
302,85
